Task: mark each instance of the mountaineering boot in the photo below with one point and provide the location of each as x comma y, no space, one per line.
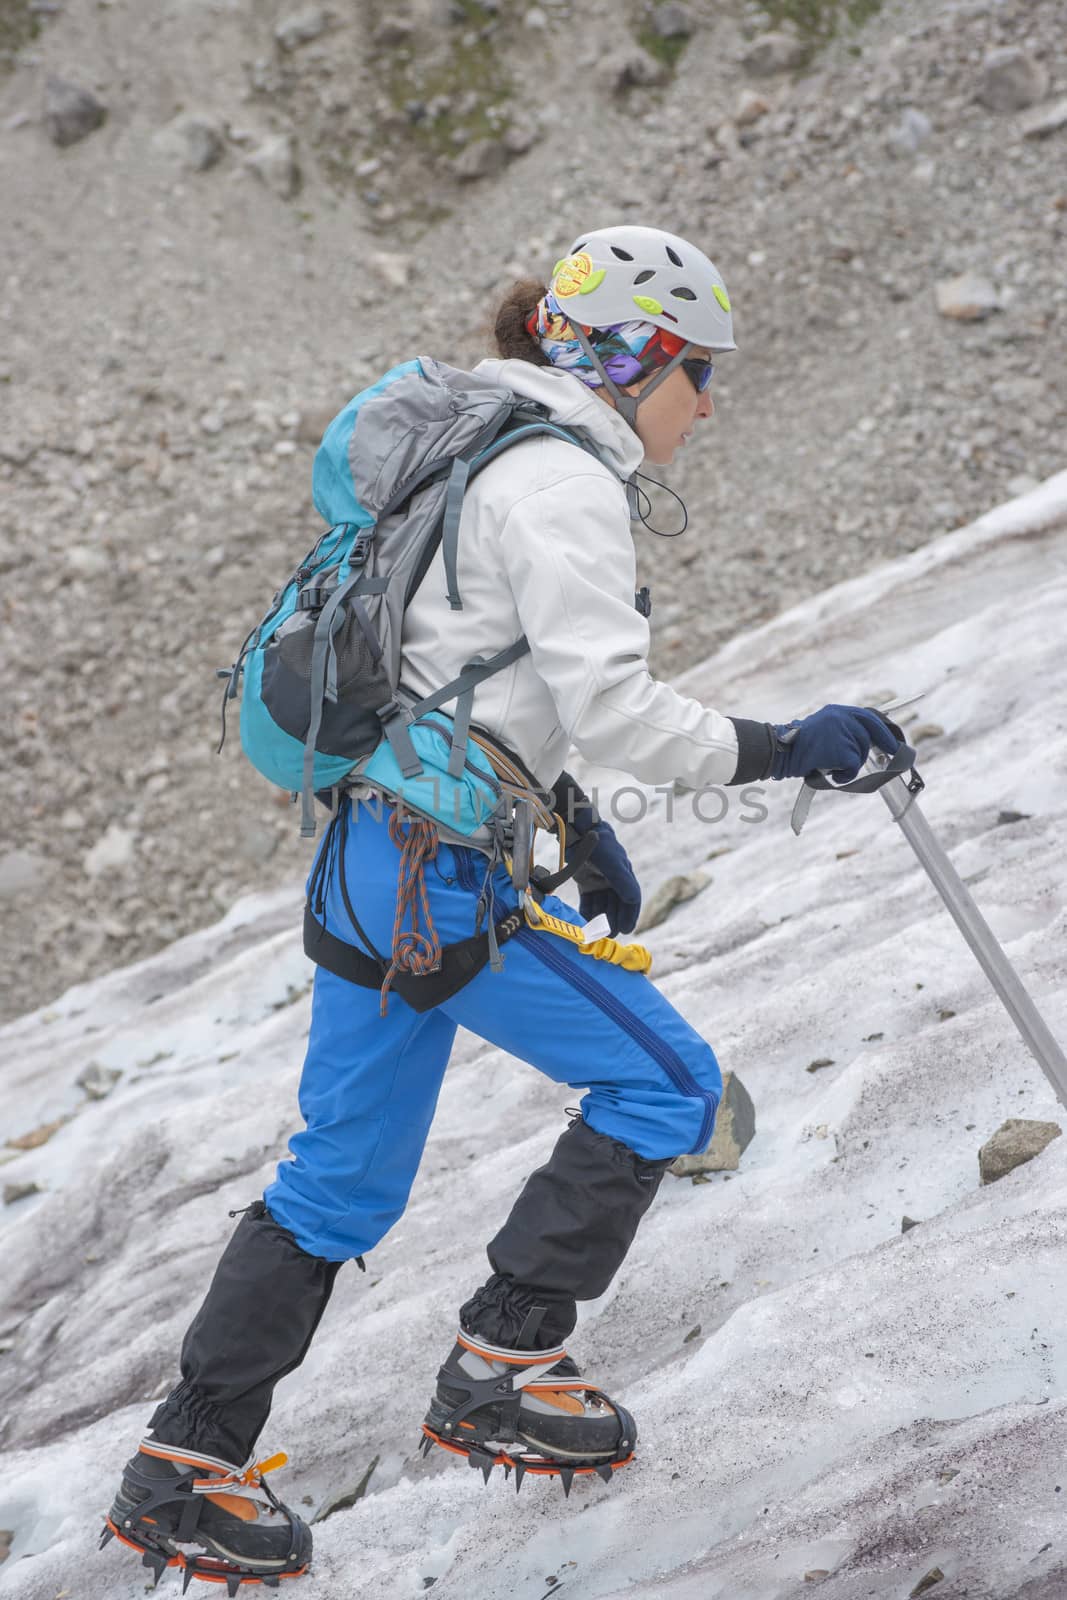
184,1502
490,1399
212,1519
509,1380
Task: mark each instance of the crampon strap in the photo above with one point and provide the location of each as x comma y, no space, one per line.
247,1481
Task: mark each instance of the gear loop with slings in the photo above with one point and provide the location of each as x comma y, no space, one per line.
416,951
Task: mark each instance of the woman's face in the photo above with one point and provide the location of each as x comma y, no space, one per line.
667,418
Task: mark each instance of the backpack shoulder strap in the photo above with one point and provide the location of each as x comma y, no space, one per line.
464,468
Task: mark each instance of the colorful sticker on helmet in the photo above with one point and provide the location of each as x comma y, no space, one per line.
721,296
570,276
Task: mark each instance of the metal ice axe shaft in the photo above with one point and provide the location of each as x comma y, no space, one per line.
979,935
900,795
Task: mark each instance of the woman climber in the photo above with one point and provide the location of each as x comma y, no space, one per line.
613,361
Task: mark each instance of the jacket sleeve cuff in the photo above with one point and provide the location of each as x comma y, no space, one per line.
570,801
755,750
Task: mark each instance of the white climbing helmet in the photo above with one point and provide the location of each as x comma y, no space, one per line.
628,273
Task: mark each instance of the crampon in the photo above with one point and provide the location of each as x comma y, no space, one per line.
528,1411
209,1519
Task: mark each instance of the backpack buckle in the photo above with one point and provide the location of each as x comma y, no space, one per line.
309,600
361,549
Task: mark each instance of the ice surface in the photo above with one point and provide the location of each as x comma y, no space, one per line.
857,1402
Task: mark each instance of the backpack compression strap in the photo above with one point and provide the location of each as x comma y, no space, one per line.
324,664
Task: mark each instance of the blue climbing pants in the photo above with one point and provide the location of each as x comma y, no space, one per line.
370,1083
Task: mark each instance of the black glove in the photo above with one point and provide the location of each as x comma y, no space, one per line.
606,882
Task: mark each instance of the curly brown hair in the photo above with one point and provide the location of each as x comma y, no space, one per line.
509,323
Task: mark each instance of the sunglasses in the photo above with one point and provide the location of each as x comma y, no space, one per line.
698,371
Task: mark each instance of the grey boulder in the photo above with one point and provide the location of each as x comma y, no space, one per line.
192,140
300,27
1015,1142
71,112
773,52
735,1128
1011,80
275,163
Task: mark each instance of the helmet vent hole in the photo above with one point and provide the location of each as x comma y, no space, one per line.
643,277
578,247
674,256
683,294
623,255
669,315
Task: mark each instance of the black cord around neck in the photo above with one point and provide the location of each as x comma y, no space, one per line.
642,511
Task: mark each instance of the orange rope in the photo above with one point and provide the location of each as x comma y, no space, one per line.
413,951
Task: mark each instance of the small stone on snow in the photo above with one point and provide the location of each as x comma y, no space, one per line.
673,892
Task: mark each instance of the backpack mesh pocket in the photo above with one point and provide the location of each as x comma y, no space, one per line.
361,675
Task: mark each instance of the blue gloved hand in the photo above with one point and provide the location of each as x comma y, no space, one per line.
836,739
606,882
607,885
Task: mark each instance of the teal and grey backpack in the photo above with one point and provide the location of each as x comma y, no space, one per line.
321,669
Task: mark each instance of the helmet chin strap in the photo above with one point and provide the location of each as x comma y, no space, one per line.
626,404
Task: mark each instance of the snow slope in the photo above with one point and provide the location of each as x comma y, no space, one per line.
817,1393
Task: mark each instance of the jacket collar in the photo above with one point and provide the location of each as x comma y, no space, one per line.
571,402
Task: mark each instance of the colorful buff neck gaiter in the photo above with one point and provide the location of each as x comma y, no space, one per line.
629,350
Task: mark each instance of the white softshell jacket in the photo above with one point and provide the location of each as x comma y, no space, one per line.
545,550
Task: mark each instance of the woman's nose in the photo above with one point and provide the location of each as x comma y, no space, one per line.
706,405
